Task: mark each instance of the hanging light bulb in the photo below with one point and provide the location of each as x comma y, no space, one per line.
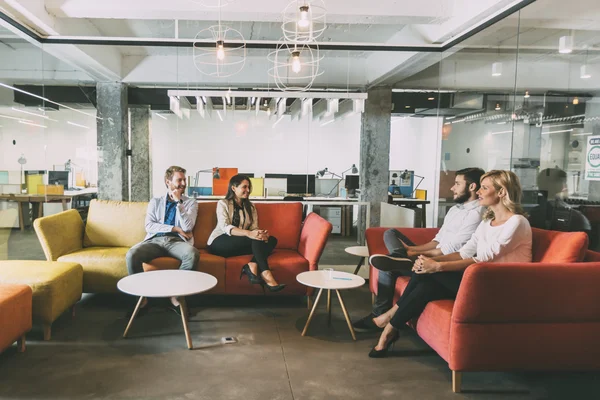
220,50
526,94
296,65
304,20
575,101
498,107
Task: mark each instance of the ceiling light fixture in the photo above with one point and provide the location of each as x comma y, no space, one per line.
565,44
15,118
527,94
219,61
296,65
431,98
406,106
575,100
303,21
32,124
32,113
498,108
584,74
289,72
497,69
220,116
78,125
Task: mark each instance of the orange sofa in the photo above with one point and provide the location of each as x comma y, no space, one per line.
543,315
113,227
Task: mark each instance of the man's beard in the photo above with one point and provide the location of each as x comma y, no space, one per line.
463,197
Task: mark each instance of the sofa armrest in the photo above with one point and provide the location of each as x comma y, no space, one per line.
529,293
60,234
313,238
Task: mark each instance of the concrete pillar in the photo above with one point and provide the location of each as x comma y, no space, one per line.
141,165
113,135
375,150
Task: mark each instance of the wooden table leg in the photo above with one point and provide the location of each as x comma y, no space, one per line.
186,329
328,306
137,308
312,312
346,314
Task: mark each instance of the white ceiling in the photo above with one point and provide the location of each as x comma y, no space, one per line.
536,28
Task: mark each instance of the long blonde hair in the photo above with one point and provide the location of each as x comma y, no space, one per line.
507,180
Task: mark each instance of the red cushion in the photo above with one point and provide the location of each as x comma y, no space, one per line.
557,247
282,220
285,265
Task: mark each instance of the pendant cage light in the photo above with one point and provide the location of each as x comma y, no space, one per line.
219,51
304,20
295,66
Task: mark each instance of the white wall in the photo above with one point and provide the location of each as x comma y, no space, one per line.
54,145
489,146
251,144
414,145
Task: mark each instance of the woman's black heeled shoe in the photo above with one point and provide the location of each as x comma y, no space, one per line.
273,289
254,279
384,352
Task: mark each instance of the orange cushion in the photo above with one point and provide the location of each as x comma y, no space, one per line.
205,223
15,313
557,247
285,265
282,220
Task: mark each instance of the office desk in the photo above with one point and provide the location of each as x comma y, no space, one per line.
37,202
412,203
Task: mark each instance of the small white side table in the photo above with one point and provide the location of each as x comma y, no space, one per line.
336,281
167,283
360,251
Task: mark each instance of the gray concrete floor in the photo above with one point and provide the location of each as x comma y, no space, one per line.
88,358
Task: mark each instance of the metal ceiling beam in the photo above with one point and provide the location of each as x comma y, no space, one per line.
267,94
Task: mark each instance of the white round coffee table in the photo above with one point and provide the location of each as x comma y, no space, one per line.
330,280
360,251
167,283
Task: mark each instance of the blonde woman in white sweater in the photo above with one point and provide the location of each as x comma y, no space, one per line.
237,234
503,236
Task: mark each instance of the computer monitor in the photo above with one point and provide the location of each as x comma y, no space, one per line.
297,184
352,182
59,178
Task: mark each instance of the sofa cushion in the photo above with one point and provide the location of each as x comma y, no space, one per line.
115,224
282,220
285,265
103,267
56,285
205,223
558,247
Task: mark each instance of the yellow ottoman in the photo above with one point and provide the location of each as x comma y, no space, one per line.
56,287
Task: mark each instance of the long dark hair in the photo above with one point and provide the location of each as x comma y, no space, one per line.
236,181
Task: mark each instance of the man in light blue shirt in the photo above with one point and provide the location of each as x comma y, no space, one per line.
170,220
460,223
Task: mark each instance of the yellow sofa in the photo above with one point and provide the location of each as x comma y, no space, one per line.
56,286
112,229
